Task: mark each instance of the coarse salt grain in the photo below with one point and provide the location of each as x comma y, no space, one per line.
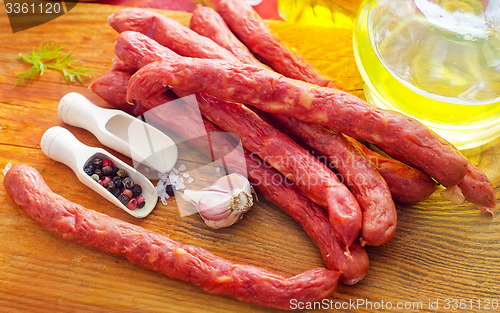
173,179
190,180
176,181
182,167
163,181
164,200
186,175
159,188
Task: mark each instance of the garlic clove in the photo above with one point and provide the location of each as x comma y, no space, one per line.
226,222
223,203
215,208
233,182
195,196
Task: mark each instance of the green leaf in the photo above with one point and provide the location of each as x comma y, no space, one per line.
50,56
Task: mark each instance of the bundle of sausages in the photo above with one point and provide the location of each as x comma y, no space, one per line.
282,109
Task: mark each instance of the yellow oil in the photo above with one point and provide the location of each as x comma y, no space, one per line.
334,13
443,81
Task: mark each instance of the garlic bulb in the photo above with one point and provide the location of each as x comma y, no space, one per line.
223,203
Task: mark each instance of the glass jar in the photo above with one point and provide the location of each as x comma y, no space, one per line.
334,13
435,60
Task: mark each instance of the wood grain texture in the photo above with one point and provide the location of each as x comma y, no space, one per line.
440,251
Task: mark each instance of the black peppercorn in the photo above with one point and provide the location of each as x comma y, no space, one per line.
107,170
97,162
111,185
170,190
118,182
89,170
114,191
123,199
128,183
136,191
121,185
98,171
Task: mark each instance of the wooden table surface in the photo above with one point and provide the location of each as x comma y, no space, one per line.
440,251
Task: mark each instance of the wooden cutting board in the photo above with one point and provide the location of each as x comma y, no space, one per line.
441,252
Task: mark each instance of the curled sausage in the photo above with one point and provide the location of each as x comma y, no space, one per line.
150,250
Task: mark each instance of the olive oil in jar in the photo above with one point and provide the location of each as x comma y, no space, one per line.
417,58
334,13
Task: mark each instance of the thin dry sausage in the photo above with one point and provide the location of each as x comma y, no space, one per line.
176,120
312,177
256,35
72,222
357,172
407,184
206,22
167,32
401,137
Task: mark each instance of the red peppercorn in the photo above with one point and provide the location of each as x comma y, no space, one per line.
132,204
140,201
127,192
107,163
106,180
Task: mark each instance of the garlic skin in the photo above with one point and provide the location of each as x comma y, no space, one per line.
223,203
